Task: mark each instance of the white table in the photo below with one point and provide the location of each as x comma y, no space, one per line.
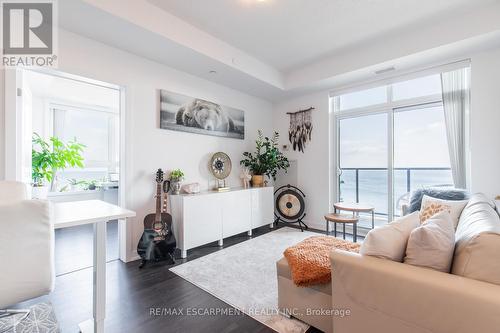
98,213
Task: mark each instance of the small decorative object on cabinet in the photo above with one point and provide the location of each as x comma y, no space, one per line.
192,188
176,177
267,159
245,177
300,128
290,205
220,166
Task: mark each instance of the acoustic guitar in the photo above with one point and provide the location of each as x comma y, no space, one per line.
157,241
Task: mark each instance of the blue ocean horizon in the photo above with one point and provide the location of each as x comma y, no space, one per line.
373,185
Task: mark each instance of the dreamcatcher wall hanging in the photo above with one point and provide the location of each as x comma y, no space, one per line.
301,127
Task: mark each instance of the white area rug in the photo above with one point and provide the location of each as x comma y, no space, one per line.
244,276
40,319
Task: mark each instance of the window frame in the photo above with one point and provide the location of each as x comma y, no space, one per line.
390,107
112,164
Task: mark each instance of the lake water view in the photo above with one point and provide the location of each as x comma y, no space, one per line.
373,185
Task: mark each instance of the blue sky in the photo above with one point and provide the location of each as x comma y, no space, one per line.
419,140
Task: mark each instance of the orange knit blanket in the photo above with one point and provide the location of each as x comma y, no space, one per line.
309,260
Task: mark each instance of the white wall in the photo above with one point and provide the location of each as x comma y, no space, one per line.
485,123
313,165
147,146
38,116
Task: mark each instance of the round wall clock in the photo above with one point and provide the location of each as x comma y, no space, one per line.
220,166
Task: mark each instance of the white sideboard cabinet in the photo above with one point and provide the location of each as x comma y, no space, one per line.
211,216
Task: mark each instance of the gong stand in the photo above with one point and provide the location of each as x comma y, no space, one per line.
290,206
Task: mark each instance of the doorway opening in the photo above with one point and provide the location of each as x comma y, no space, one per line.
77,122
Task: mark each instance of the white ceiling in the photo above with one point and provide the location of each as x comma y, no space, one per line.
280,48
61,89
288,34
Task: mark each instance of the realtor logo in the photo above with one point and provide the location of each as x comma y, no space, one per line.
28,33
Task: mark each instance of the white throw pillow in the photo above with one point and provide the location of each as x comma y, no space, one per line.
431,206
432,244
389,241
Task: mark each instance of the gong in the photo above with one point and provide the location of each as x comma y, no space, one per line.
290,204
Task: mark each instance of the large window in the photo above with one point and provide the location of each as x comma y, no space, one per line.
390,140
421,87
363,98
97,129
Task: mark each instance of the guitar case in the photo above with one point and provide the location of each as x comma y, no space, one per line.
156,250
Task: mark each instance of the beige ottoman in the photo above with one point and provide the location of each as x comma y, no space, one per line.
304,303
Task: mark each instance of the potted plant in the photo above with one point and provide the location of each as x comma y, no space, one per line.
49,157
90,185
266,161
75,184
93,185
176,177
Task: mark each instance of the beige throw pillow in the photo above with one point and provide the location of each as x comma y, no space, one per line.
431,206
432,244
389,241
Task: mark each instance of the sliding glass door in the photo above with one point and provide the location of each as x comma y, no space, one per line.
420,151
363,162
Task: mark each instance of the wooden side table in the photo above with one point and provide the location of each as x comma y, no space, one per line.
355,208
340,218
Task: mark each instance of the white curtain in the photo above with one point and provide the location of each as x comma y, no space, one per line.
456,102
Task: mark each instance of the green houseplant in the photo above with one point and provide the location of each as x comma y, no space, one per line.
49,157
176,176
266,160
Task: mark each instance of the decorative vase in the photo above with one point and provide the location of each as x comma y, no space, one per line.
176,188
257,180
39,192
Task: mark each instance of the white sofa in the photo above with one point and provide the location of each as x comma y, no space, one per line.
386,296
26,245
383,296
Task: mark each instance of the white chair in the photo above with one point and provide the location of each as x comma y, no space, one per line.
26,246
12,191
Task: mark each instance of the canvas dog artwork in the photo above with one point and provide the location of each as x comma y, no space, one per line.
189,114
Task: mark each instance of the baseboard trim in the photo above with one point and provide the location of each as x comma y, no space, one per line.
133,256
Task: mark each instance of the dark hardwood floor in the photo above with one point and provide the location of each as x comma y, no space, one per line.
73,247
133,295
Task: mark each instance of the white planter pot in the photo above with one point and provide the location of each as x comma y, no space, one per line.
176,187
39,192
